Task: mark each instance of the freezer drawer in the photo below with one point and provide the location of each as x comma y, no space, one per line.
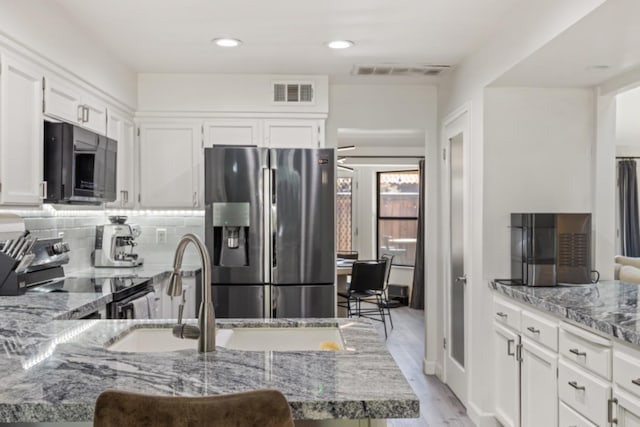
238,301
304,301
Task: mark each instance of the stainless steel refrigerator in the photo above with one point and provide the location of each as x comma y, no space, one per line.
269,229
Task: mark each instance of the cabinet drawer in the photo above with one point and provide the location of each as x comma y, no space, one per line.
587,350
584,392
539,329
506,313
570,418
626,372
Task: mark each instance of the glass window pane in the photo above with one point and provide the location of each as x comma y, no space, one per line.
399,194
343,214
398,237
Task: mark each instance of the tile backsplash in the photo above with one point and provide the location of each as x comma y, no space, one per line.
78,228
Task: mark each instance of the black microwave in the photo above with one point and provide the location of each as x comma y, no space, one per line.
79,165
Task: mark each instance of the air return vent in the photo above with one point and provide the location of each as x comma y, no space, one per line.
293,93
415,70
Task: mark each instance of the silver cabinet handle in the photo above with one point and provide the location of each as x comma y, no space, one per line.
577,352
575,385
462,279
533,330
636,381
501,314
126,196
85,114
80,113
610,404
510,351
43,190
195,199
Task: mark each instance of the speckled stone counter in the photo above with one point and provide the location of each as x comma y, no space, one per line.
153,271
609,307
52,371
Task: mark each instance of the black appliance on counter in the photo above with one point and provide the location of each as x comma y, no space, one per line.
124,290
550,248
79,165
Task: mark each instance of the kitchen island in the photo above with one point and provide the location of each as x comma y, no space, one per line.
53,368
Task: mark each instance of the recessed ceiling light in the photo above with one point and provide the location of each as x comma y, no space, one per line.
224,42
340,44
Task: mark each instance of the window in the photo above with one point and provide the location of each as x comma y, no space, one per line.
343,214
398,194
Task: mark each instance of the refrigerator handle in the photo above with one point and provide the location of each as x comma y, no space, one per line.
274,220
266,225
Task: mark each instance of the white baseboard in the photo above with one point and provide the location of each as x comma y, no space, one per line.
479,418
439,372
428,367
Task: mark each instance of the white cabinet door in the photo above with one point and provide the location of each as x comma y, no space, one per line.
538,384
62,100
293,133
507,380
627,409
231,132
67,102
169,154
21,133
123,131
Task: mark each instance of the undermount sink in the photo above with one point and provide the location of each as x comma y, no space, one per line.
155,340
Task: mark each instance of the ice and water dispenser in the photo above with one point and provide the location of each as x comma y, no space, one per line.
230,234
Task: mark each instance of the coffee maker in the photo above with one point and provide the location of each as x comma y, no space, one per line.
114,244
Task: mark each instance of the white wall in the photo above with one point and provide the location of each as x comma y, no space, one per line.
537,157
236,93
44,28
524,30
628,122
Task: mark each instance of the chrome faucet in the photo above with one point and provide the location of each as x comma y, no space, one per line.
205,332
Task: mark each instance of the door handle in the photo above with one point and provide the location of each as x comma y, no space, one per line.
578,352
575,385
501,314
85,114
195,199
43,190
533,330
80,113
510,351
462,279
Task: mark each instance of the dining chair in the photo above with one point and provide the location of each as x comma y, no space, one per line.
258,408
367,282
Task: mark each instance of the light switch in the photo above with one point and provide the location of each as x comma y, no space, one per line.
161,235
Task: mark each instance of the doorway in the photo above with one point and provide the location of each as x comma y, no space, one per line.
455,292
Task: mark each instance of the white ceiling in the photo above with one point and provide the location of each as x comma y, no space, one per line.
287,36
608,36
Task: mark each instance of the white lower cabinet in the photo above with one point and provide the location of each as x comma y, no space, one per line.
507,378
570,418
539,397
169,155
626,409
21,133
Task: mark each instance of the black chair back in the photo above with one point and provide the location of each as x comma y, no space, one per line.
388,259
368,275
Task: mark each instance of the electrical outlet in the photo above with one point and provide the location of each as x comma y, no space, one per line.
161,235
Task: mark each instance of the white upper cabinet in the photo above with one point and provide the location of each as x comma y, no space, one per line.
169,155
293,133
65,101
123,131
232,132
21,133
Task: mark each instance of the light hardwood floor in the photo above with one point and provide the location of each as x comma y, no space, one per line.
438,405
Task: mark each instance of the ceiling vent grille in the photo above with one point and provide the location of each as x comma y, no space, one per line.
293,93
400,70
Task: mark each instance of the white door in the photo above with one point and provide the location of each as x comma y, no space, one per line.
21,133
168,159
62,100
539,388
293,133
506,380
455,211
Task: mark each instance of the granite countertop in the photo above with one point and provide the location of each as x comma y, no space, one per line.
154,271
53,369
610,307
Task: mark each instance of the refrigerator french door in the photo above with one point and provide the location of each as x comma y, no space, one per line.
269,228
